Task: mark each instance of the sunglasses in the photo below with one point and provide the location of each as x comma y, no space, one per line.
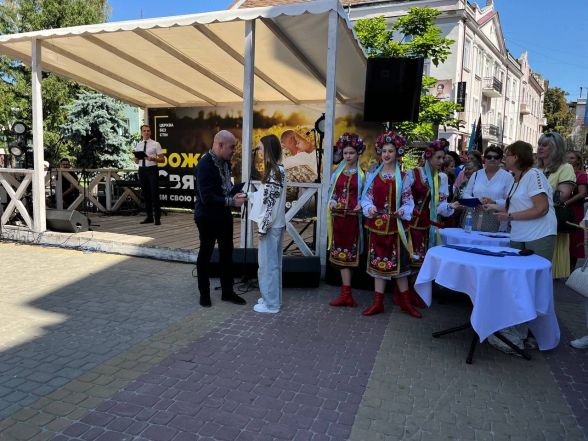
492,157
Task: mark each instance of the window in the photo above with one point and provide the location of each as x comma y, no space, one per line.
467,53
488,67
479,59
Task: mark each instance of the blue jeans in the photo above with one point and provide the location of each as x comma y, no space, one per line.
269,275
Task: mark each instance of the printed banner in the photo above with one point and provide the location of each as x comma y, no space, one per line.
185,134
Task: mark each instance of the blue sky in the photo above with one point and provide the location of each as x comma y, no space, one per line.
552,33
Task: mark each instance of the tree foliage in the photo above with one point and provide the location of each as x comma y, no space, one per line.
95,125
559,118
15,78
410,36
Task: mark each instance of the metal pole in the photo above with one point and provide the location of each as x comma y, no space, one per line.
329,136
38,184
248,81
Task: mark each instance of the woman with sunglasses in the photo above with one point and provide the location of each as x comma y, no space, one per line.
551,158
344,214
387,202
529,208
491,184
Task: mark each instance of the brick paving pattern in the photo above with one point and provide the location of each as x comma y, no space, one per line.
98,347
292,376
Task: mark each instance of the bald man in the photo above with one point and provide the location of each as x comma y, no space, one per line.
214,199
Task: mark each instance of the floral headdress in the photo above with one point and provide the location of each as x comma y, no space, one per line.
391,137
433,147
350,140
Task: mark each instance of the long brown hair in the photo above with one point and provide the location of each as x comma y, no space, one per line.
272,156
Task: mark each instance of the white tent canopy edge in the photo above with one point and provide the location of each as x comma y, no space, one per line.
291,57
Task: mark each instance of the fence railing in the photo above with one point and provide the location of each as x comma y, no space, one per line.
16,196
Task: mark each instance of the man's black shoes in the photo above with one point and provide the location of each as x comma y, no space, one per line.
148,220
157,221
205,301
234,298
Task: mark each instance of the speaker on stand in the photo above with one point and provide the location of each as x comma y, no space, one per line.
393,89
66,221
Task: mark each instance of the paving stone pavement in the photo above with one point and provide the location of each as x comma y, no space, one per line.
102,347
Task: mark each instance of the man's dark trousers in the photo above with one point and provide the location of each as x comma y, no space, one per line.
211,231
149,180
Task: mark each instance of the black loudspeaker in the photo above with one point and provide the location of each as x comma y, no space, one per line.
393,89
301,271
297,271
66,221
244,263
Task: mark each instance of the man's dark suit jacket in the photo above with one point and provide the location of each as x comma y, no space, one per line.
210,199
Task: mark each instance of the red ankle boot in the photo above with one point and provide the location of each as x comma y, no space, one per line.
345,298
405,305
415,299
377,305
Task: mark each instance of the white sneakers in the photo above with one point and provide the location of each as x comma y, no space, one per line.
261,307
581,343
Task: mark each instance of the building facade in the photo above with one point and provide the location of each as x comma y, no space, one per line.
480,73
579,135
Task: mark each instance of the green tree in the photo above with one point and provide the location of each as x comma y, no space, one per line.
15,78
410,36
95,125
559,118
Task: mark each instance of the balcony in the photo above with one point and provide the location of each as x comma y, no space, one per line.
490,131
524,109
492,87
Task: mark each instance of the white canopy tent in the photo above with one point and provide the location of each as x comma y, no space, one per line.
286,53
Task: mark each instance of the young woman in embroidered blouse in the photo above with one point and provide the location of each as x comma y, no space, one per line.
344,214
430,192
269,211
387,202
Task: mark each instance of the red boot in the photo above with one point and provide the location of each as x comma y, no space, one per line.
345,298
406,306
415,299
377,305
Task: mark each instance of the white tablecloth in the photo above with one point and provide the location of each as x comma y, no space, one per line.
457,236
505,291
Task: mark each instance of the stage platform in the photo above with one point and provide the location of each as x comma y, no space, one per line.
176,239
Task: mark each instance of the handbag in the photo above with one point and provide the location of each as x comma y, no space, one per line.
578,280
484,221
564,215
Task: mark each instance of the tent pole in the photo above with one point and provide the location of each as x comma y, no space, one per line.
38,184
328,140
247,139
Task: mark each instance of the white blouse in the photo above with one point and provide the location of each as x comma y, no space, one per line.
479,186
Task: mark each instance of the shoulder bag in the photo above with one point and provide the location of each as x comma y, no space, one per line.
578,280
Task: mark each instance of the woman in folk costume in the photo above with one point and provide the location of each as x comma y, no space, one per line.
386,203
344,213
430,192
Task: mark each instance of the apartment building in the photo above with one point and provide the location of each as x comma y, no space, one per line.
480,73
